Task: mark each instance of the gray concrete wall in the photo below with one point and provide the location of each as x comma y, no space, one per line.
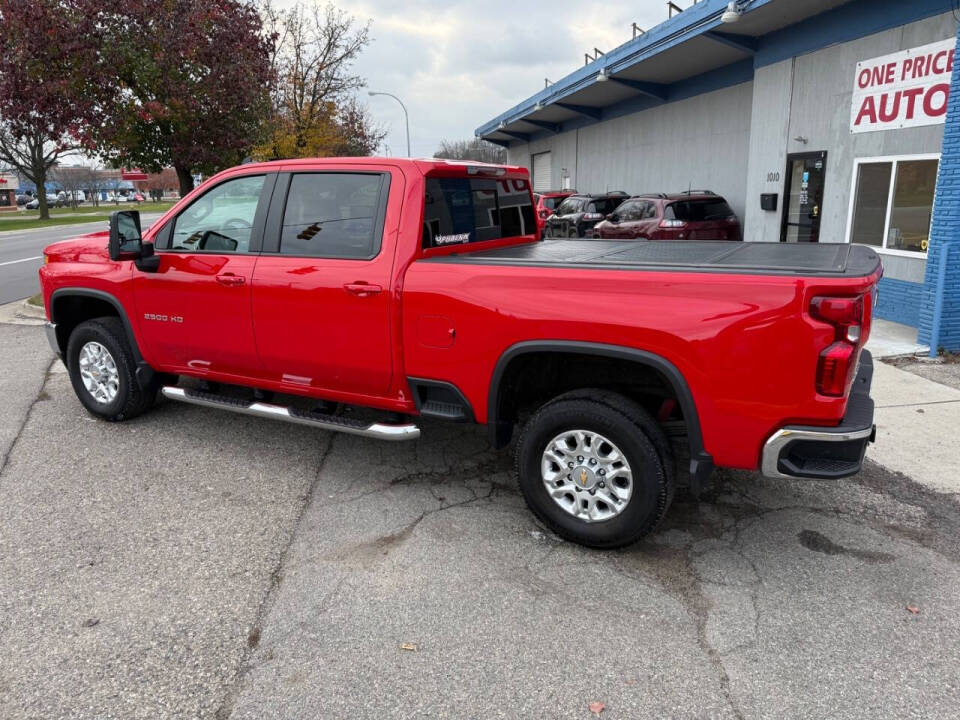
735,141
701,142
769,125
817,90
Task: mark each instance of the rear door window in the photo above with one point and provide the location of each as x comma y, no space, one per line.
333,215
700,210
467,210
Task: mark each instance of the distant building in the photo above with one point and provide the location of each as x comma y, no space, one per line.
819,121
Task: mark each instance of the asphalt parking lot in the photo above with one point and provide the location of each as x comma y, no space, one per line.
194,564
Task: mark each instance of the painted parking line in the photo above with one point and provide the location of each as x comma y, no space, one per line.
14,262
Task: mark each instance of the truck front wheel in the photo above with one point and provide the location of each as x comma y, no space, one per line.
593,466
103,371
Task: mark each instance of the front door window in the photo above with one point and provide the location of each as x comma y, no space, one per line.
221,221
804,193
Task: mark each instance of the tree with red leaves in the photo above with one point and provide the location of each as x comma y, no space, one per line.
46,47
180,83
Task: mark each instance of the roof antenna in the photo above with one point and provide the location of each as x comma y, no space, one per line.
689,186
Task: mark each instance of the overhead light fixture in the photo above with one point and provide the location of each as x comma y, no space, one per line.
732,13
538,106
602,75
502,125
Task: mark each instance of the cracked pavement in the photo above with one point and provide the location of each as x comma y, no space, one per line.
197,564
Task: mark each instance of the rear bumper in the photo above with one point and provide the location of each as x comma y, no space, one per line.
824,453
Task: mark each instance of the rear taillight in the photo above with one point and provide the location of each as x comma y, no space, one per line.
837,362
845,314
593,216
833,369
672,223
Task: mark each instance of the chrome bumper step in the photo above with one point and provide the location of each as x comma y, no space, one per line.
380,431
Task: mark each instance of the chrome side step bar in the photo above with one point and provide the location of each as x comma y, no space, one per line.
380,431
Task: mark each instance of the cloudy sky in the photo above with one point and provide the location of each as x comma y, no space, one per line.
458,63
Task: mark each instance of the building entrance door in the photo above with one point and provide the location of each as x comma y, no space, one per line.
804,193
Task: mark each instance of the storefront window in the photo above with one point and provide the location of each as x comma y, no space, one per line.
910,216
892,202
870,203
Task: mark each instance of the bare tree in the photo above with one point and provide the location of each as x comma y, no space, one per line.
70,179
33,155
476,149
314,48
94,180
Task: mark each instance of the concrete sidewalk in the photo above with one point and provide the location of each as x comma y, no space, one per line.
916,422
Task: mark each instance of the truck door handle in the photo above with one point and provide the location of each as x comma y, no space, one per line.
230,279
362,289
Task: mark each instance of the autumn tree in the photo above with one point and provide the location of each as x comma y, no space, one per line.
45,48
180,83
476,149
313,111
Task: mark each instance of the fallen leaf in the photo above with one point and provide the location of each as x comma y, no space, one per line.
91,622
597,707
408,646
913,609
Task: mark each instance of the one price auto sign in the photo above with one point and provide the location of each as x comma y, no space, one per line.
903,89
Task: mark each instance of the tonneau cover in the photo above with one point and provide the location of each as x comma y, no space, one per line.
830,259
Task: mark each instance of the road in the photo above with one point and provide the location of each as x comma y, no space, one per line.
195,564
21,254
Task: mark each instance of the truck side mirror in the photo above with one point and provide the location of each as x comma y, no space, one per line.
613,217
126,242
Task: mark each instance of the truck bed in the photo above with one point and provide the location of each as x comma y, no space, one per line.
807,259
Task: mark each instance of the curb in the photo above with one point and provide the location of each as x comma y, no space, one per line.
20,312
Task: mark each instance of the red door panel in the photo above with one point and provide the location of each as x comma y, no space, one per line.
195,312
324,323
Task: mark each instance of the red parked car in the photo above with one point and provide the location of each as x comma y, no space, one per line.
418,289
546,204
691,215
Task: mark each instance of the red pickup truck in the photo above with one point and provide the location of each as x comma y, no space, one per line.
325,291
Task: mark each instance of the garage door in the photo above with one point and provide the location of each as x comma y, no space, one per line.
542,172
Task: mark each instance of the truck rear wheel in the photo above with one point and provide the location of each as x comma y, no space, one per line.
593,466
103,371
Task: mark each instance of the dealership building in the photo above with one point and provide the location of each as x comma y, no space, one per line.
827,121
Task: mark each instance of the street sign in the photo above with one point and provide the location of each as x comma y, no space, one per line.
133,174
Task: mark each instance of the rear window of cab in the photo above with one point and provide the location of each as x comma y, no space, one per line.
699,210
463,210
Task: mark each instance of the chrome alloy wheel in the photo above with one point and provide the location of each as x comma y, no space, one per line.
586,475
99,372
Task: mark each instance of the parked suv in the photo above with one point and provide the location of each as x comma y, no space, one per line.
576,216
691,215
546,203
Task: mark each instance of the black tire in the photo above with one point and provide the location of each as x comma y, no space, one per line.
572,233
131,399
638,438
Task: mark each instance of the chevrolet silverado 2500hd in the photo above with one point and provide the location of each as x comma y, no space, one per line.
418,288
